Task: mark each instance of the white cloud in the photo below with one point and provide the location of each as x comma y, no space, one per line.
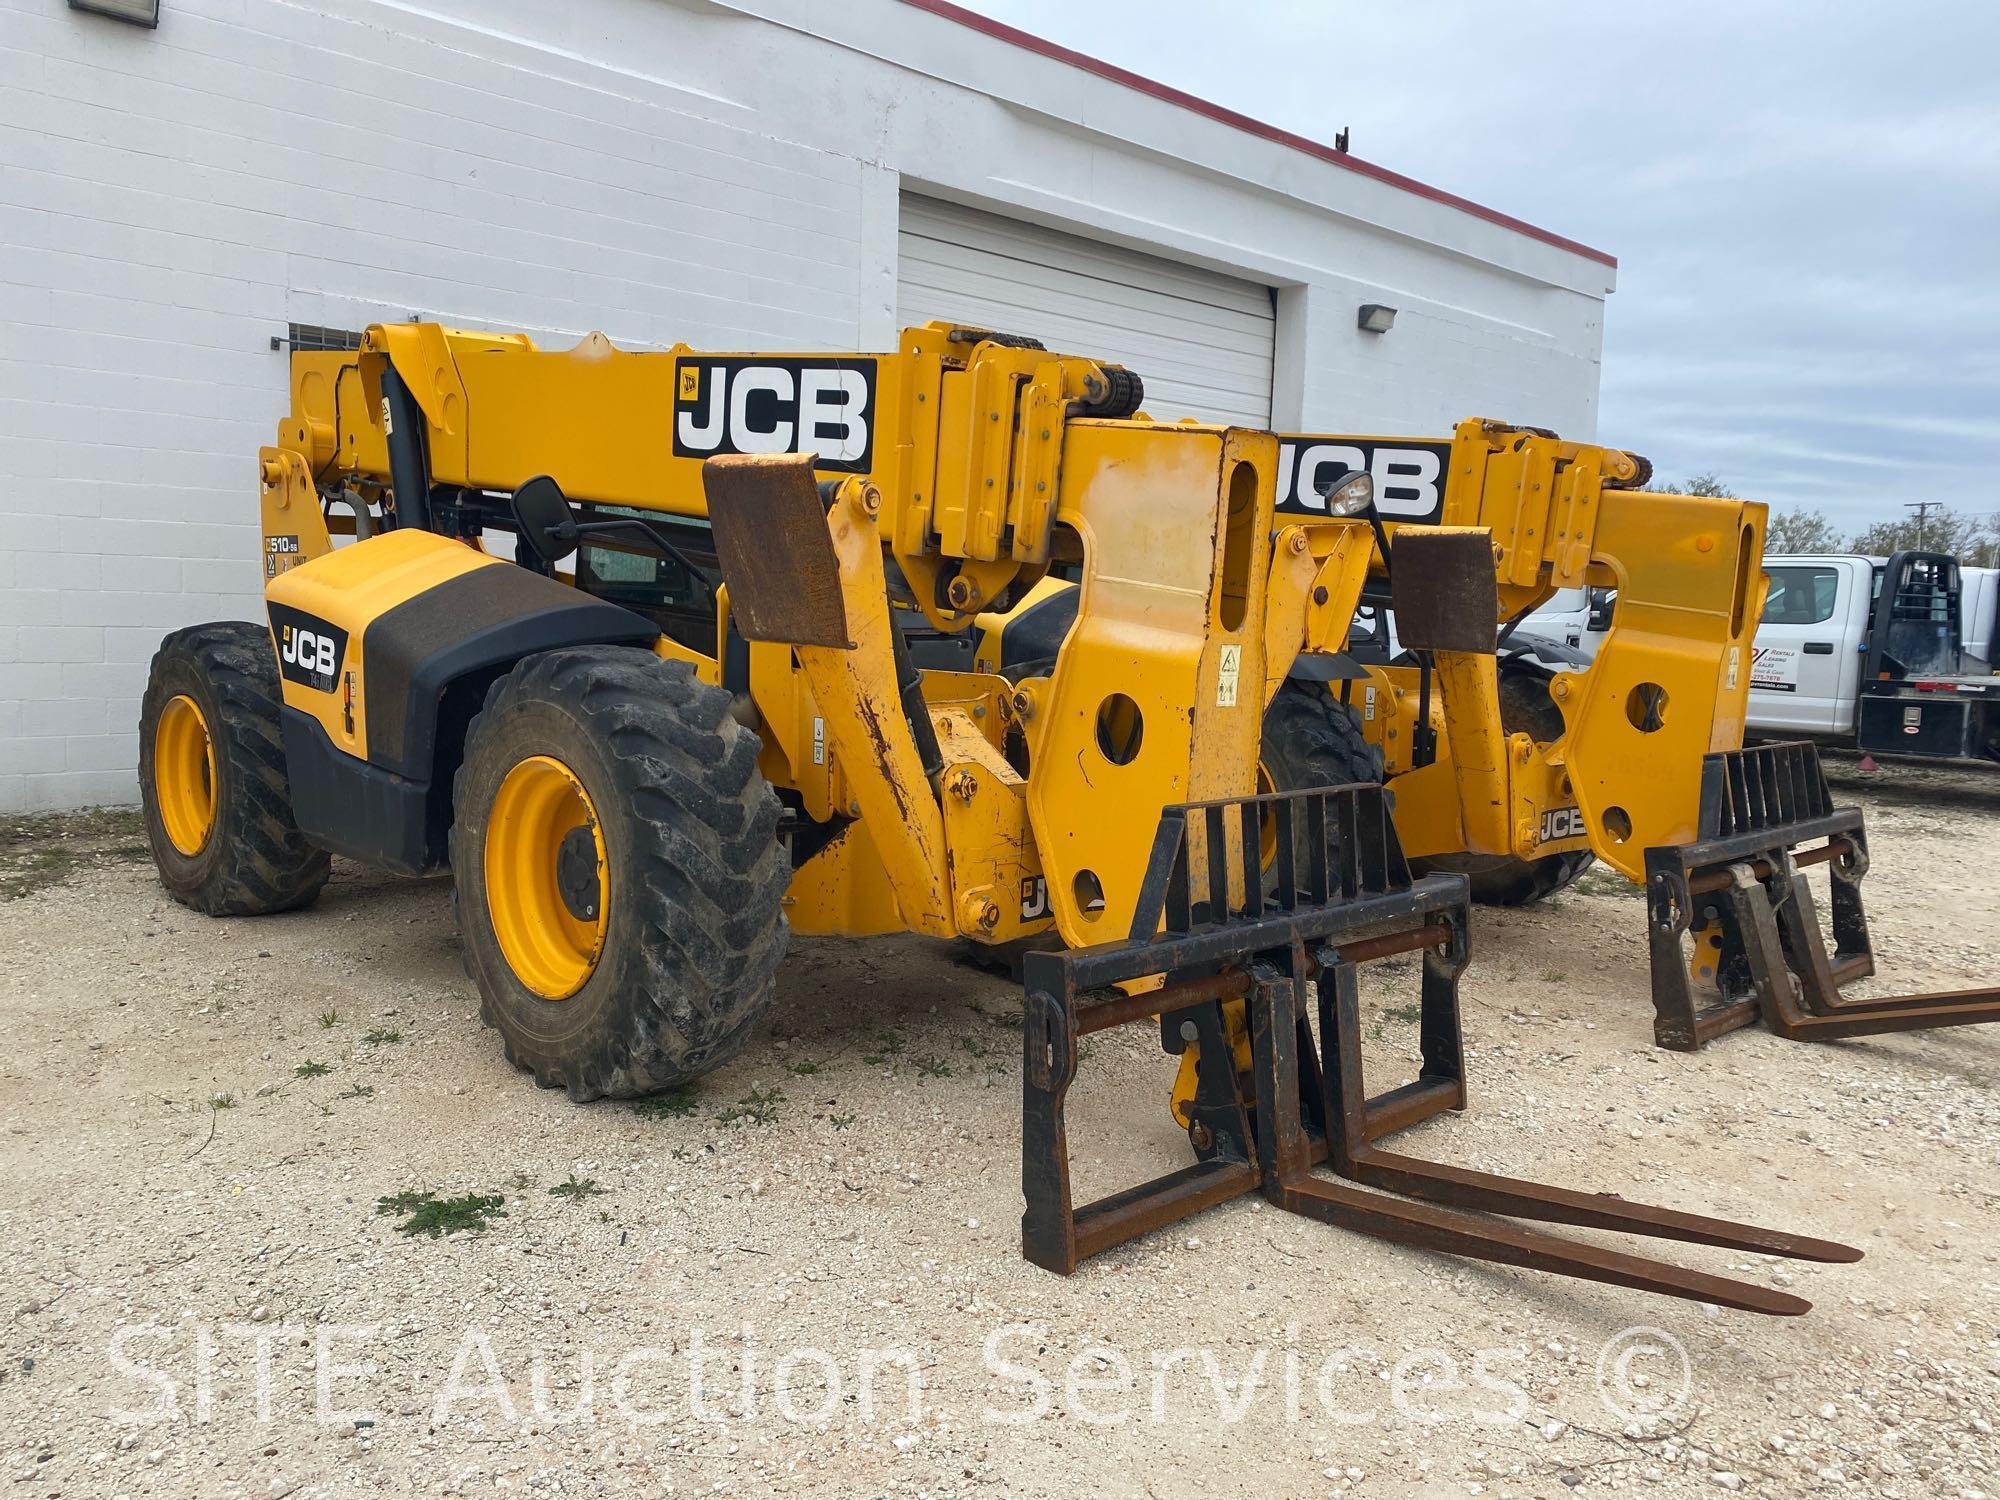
1805,202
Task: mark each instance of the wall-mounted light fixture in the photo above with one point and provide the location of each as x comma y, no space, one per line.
138,12
1375,318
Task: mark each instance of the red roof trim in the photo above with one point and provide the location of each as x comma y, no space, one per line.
1028,41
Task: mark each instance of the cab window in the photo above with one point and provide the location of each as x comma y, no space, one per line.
1801,596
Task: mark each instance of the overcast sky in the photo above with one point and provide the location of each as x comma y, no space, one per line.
1804,199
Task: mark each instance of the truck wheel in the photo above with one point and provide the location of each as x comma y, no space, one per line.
618,871
1504,879
212,780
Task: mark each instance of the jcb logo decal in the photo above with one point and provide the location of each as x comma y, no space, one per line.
820,406
310,650
1409,477
1562,823
1034,898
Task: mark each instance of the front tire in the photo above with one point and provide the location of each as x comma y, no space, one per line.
1313,739
212,778
619,873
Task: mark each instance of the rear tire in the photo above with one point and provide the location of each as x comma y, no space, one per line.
1505,879
212,778
693,873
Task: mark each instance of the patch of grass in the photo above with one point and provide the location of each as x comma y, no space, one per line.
21,828
1554,976
974,1043
933,1067
431,1215
359,1091
802,1069
36,871
382,1034
1411,1012
328,1019
39,850
675,1104
222,1101
311,1069
576,1188
758,1107
1599,881
841,1122
889,1044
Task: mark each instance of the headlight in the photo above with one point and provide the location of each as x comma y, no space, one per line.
1352,496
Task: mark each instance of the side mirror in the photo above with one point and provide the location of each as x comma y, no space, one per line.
544,520
1602,604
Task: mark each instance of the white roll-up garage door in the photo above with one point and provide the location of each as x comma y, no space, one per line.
1202,341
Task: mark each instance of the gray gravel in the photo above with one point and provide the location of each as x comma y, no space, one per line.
751,1297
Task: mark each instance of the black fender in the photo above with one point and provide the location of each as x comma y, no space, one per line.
427,663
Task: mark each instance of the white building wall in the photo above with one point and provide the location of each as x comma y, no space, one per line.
727,175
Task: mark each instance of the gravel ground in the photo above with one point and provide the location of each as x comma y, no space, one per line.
735,1293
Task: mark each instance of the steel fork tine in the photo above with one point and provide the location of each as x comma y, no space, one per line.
1349,1207
1340,1050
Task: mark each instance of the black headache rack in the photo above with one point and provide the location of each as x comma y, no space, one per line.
1917,698
1245,903
1733,917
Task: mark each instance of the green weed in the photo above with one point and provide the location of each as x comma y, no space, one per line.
434,1216
675,1104
758,1107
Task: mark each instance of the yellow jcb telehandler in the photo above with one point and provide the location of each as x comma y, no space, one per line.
713,727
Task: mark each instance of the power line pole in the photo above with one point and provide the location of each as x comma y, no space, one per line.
1923,509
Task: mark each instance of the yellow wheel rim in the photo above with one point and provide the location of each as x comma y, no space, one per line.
549,904
184,775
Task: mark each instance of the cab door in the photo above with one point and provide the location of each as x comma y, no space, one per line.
1980,614
1806,666
1561,617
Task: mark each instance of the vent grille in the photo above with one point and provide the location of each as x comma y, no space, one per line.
309,337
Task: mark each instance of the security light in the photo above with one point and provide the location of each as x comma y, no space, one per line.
138,12
1375,318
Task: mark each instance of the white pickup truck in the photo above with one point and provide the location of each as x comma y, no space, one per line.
1875,653
1914,676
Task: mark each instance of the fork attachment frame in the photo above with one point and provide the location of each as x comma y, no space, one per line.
1759,951
1337,893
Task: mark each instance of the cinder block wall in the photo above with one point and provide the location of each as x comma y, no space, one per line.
725,173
